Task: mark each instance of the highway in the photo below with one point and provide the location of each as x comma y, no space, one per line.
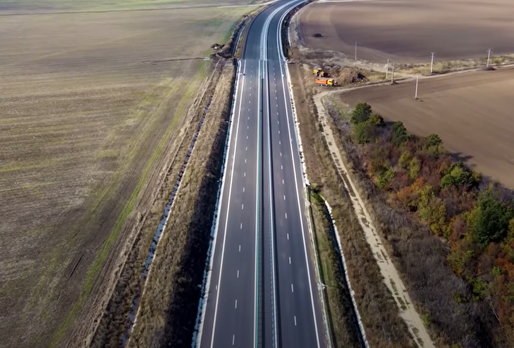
262,289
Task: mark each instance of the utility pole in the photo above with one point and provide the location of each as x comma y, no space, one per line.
432,64
356,51
387,69
392,80
417,82
488,57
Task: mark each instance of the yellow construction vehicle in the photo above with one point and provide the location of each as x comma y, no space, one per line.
319,72
326,82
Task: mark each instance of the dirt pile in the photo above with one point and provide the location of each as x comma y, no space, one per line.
346,75
342,74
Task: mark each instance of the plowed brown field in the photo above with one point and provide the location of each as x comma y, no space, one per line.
407,31
472,112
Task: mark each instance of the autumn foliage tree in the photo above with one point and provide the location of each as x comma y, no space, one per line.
424,181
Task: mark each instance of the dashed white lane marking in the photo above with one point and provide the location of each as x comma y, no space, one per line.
277,113
247,137
292,289
233,339
295,320
243,189
286,215
288,236
282,181
249,109
279,142
245,160
278,122
239,247
238,273
278,132
235,306
247,127
281,154
241,225
282,167
289,260
284,197
242,206
246,148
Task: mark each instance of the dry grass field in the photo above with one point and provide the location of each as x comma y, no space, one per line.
406,31
472,112
88,103
9,7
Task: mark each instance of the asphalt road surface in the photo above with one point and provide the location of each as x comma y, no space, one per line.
262,290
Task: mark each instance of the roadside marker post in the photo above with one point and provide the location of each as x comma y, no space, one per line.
432,64
387,69
392,79
356,51
488,57
417,82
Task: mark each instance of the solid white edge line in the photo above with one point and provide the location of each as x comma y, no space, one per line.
256,261
198,338
228,210
284,85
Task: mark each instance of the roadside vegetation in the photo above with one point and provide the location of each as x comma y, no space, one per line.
377,307
450,231
176,298
169,304
343,326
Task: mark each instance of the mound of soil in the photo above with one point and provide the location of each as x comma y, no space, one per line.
344,75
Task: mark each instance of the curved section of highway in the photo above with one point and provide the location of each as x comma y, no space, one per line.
262,289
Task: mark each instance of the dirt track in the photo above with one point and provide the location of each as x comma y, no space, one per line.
408,30
472,112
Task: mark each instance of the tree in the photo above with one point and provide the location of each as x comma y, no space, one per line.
432,211
414,167
363,132
385,177
458,175
399,134
433,140
404,160
376,120
489,220
361,113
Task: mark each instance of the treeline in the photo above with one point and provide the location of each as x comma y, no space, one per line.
471,215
